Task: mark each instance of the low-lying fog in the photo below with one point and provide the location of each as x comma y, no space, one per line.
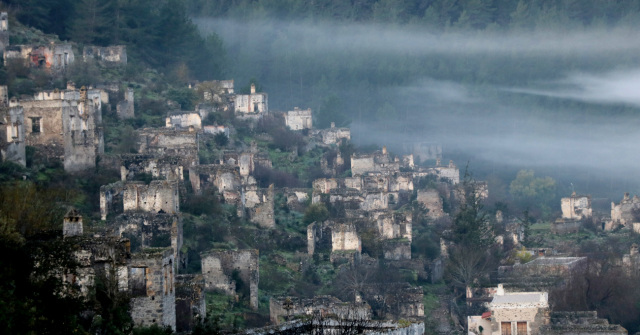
564,103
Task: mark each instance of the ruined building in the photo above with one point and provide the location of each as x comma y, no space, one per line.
631,261
163,142
281,309
66,125
331,136
152,287
624,212
159,167
234,272
576,207
12,132
184,120
158,196
528,313
190,302
125,109
253,105
298,119
53,57
4,31
111,55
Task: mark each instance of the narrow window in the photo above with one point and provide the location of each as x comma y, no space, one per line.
35,124
137,282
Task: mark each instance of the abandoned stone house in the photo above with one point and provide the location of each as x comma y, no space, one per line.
216,129
12,134
528,313
234,272
158,196
257,204
247,161
631,261
432,201
66,125
297,198
148,276
191,305
543,273
379,161
224,178
125,109
331,136
281,309
576,207
112,55
298,119
163,142
152,287
252,106
54,57
333,236
624,213
159,167
4,31
213,91
180,120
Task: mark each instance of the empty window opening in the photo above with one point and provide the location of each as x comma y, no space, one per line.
36,126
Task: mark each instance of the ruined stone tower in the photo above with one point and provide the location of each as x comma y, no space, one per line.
4,31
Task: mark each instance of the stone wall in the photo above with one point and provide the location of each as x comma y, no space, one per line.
331,136
290,307
258,204
169,142
254,104
4,31
190,302
298,119
622,213
225,179
12,135
580,323
83,135
184,120
152,287
159,167
111,55
125,109
222,268
159,195
576,207
149,230
53,57
432,200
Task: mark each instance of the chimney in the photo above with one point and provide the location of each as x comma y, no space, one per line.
500,290
253,88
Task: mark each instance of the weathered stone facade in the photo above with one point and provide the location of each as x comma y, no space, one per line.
576,207
289,307
184,120
4,31
226,179
190,302
235,272
523,310
331,236
158,196
631,261
72,224
12,134
331,136
258,205
298,119
66,125
432,200
169,142
111,55
125,109
152,287
253,105
149,230
623,213
54,57
159,167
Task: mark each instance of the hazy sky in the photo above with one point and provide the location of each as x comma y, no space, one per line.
554,98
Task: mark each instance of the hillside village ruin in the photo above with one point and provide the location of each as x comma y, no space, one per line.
141,235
